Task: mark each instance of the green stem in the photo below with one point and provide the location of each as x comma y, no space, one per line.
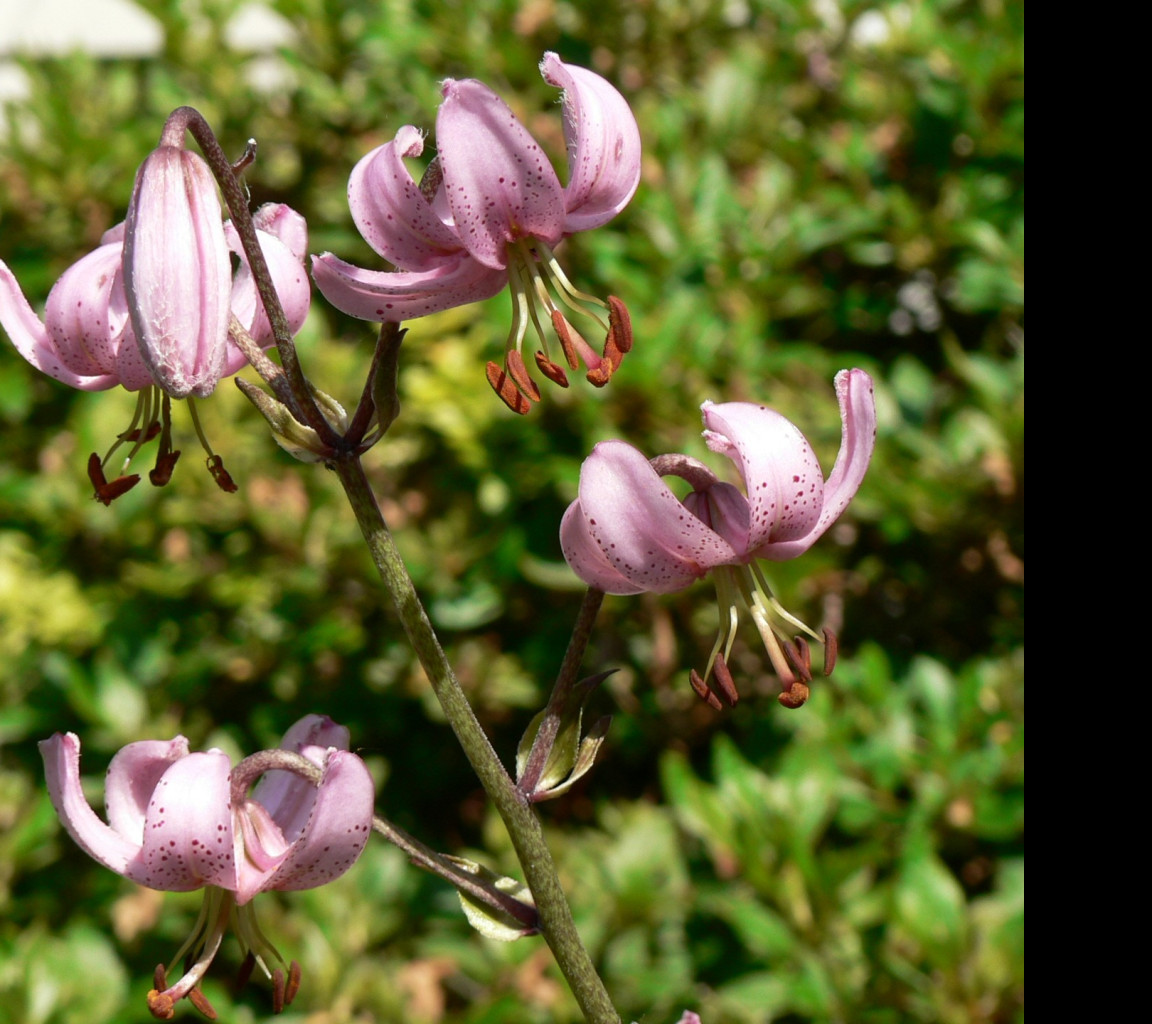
556,924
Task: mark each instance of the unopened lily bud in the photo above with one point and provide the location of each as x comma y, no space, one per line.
177,272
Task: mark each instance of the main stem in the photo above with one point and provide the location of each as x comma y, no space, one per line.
556,924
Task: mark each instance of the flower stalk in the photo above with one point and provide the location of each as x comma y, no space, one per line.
554,915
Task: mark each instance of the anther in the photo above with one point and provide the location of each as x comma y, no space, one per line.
278,991
245,972
799,658
108,491
135,435
619,325
551,370
222,477
294,977
198,999
724,681
165,464
508,392
514,361
703,691
564,332
831,646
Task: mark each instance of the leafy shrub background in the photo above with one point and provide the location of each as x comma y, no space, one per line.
825,185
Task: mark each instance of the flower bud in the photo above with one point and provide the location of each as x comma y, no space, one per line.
177,272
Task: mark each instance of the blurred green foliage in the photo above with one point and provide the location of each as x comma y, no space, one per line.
825,185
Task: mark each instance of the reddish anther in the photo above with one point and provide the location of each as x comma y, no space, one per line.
831,646
134,435
619,325
293,986
504,387
724,681
108,491
799,657
222,477
554,372
564,331
245,973
703,691
514,362
198,999
162,473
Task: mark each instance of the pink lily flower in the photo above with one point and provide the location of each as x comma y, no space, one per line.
488,214
627,532
88,339
179,821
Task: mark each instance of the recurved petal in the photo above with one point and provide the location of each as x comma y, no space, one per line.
130,367
781,473
290,280
644,530
287,797
498,181
33,341
100,841
857,398
603,145
394,296
188,838
133,775
281,220
338,829
586,558
391,212
77,312
725,509
855,393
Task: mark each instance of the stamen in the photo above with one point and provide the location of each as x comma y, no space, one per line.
165,457
198,999
619,325
244,974
508,392
214,462
278,1003
616,345
831,646
521,307
765,591
141,414
550,370
799,657
724,681
703,691
108,491
565,332
535,277
295,976
514,361
222,477
567,292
